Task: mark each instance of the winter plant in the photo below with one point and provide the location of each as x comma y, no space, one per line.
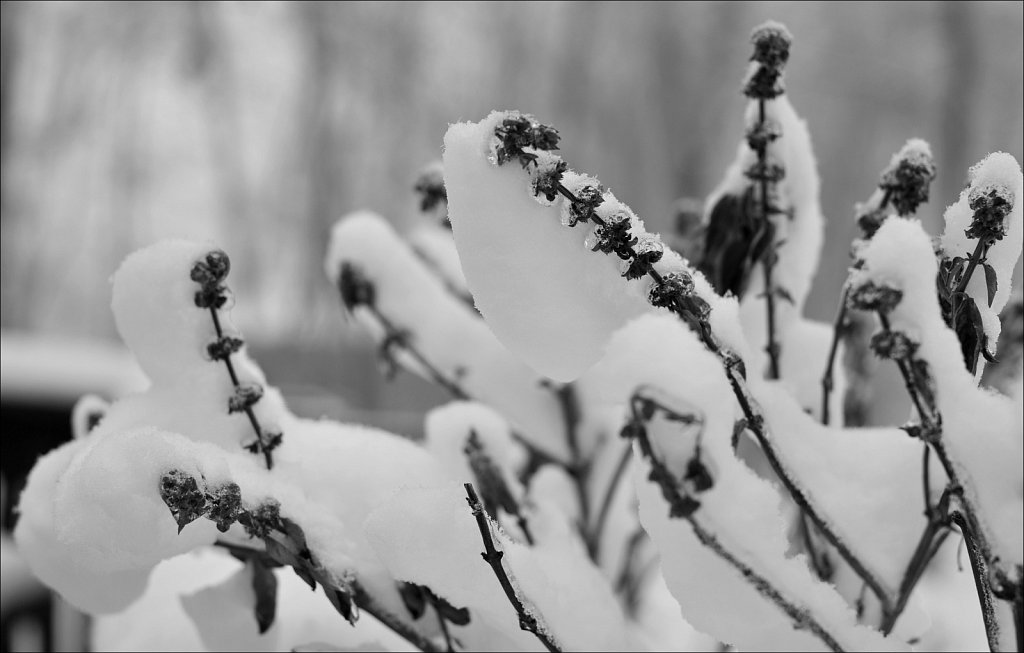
643,451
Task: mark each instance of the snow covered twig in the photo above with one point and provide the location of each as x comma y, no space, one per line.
527,621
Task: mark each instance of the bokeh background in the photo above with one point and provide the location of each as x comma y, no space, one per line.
257,125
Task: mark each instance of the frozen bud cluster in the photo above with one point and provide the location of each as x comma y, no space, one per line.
647,251
588,196
908,177
893,345
991,204
613,237
671,287
872,297
518,132
771,52
210,274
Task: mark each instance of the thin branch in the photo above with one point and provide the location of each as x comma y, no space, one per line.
594,536
768,261
827,382
682,506
493,556
735,371
980,569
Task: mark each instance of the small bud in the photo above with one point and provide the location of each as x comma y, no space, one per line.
673,286
212,270
225,504
773,173
355,288
182,495
991,204
893,345
908,177
264,519
647,252
763,133
548,179
772,41
613,237
245,396
222,348
588,198
520,131
430,186
870,297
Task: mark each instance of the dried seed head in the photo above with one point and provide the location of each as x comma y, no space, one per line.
225,504
991,204
908,177
871,297
772,41
672,287
244,397
548,178
588,198
893,345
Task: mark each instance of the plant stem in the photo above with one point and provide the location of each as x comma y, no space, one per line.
260,444
827,378
768,261
578,468
594,536
980,570
733,365
493,557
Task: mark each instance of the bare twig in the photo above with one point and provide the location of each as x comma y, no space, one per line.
595,533
493,556
827,382
682,506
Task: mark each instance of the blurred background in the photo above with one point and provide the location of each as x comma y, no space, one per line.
258,125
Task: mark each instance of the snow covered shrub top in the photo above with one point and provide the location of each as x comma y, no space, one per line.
579,350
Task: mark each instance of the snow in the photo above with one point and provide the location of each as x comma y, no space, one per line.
436,247
547,299
658,352
448,428
431,538
187,607
988,450
1001,170
448,333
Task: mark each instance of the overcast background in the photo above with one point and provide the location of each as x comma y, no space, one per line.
258,125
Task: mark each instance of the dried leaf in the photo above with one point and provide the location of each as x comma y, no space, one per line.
264,583
991,282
